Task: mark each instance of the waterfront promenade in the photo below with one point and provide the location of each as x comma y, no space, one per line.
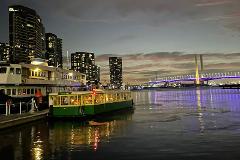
18,119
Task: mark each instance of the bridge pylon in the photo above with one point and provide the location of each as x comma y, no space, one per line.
197,77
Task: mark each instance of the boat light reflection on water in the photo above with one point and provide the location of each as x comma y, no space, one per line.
199,108
37,149
44,139
89,134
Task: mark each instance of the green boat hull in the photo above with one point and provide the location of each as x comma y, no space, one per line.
89,110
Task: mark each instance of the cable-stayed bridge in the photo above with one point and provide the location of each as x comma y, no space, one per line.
200,76
203,77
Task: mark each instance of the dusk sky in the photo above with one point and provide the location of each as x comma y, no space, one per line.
152,36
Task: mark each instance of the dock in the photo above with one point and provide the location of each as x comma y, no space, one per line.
18,119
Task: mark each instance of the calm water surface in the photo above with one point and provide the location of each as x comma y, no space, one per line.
170,124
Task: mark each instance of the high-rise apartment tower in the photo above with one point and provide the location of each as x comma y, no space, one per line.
84,62
115,65
26,34
53,50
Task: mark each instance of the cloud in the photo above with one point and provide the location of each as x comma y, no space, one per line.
141,12
146,66
139,67
204,3
224,66
103,57
185,66
227,18
154,12
124,38
223,12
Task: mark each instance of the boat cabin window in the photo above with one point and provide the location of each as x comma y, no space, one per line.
99,98
32,91
3,70
127,96
3,90
119,96
24,91
28,91
65,100
55,100
74,100
11,70
18,70
8,91
87,99
19,91
112,97
109,97
13,91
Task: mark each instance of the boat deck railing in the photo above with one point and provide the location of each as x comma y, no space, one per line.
18,107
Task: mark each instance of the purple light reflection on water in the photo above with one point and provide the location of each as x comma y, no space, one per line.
209,98
195,110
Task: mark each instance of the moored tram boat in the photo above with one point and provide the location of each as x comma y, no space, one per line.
88,103
23,81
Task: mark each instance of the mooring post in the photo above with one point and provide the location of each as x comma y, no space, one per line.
20,107
9,109
6,108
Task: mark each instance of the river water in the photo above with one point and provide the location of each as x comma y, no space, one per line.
167,124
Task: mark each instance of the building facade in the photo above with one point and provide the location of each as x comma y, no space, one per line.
26,34
115,65
59,52
96,73
4,52
84,62
53,50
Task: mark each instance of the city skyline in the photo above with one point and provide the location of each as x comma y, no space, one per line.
171,31
163,64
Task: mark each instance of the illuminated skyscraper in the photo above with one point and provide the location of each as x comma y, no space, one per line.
53,50
59,52
26,34
4,52
115,64
83,62
96,73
